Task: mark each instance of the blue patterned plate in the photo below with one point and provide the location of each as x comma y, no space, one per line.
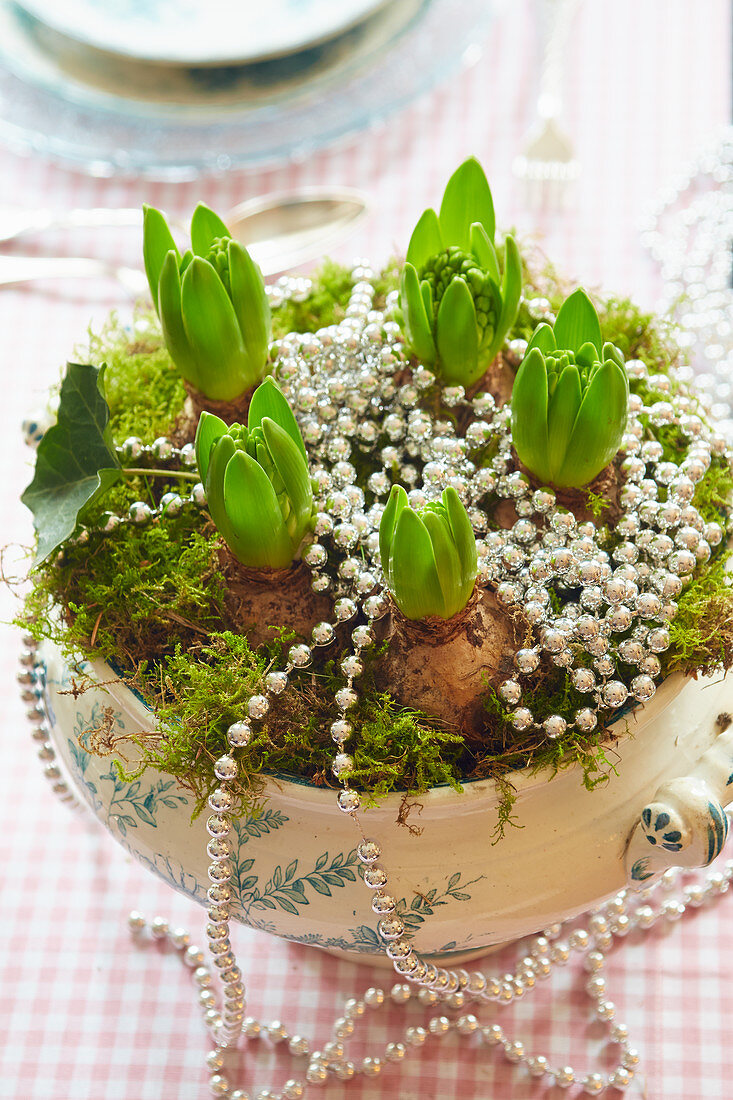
108,114
200,32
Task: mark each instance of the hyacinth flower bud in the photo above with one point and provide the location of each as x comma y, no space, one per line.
428,555
211,302
258,487
570,398
457,307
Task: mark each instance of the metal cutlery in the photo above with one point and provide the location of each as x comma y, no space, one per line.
24,269
281,231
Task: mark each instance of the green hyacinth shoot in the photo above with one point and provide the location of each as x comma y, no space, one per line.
456,305
570,398
258,488
428,556
211,302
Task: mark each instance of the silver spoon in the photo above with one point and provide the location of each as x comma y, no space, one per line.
281,231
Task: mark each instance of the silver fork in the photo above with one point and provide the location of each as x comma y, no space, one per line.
548,161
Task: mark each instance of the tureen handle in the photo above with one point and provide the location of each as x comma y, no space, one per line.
685,825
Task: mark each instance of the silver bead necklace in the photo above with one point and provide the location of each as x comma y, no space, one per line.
689,232
341,383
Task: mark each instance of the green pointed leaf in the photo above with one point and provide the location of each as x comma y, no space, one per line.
577,322
463,536
447,563
529,413
395,504
426,239
599,426
75,461
610,351
484,251
269,400
219,457
292,468
414,583
210,428
171,320
206,227
511,287
466,199
562,412
260,539
418,326
212,331
543,338
428,301
457,335
251,307
157,243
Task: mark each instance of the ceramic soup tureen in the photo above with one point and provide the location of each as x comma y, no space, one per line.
387,612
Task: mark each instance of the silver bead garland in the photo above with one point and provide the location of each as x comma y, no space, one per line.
613,603
689,231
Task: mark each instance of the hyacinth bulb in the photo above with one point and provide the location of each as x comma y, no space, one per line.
211,302
570,398
456,304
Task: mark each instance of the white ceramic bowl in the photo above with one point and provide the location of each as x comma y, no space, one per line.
461,893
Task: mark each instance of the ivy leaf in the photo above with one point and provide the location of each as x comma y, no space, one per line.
76,462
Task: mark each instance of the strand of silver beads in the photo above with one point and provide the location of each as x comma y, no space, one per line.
689,232
341,383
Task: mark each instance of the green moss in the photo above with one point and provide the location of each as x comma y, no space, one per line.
199,691
325,305
507,796
714,494
388,279
143,389
596,503
398,749
134,594
639,334
702,631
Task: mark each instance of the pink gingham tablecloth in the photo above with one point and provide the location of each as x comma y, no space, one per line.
84,1015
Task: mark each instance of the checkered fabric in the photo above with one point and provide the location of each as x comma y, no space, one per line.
84,1014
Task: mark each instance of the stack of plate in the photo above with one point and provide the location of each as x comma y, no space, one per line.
172,88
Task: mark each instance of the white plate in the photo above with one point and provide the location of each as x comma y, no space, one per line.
112,115
203,32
